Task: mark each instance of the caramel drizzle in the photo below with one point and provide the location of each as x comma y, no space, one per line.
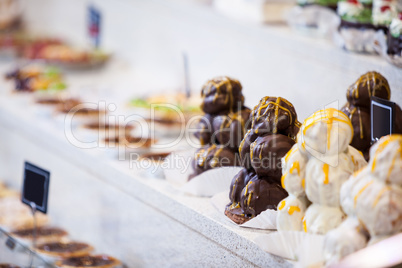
399,151
304,225
327,116
246,192
282,204
382,146
377,199
264,103
366,79
292,209
223,81
283,178
361,191
325,169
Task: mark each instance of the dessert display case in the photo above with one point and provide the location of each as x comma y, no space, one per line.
116,205
13,252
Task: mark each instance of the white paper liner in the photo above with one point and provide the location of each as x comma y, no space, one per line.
266,220
381,46
291,244
356,40
178,167
312,20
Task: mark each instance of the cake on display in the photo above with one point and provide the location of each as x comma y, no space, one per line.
44,234
256,188
395,36
332,4
221,129
96,261
64,249
314,171
372,200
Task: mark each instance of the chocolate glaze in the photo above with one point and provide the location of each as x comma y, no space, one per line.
275,116
210,157
89,261
230,129
41,231
361,132
221,95
358,107
368,85
394,45
266,156
63,247
273,133
223,126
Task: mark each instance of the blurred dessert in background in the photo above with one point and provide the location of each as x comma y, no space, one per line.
32,77
62,250
221,129
44,234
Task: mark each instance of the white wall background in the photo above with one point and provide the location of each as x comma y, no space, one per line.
149,36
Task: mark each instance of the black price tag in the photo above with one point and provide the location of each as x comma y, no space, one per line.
94,25
36,186
382,118
10,243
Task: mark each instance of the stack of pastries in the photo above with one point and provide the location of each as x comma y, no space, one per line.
223,125
314,171
358,107
256,188
372,200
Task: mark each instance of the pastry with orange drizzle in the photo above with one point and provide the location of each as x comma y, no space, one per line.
223,126
372,199
257,187
358,107
314,171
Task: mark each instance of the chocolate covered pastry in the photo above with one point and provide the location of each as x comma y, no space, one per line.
64,249
358,108
395,36
256,188
45,234
221,129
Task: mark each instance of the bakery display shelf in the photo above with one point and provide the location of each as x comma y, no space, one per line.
14,252
196,213
282,38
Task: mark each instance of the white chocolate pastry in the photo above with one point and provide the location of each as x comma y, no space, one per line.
386,159
379,207
321,219
326,133
323,181
291,211
349,190
293,170
357,158
348,238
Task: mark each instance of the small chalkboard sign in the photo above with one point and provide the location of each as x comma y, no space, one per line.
382,118
35,187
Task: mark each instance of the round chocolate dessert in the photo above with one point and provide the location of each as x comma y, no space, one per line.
222,95
213,156
99,261
65,250
358,107
223,126
257,187
43,234
266,156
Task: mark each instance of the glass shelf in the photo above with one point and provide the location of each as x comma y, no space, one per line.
13,252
